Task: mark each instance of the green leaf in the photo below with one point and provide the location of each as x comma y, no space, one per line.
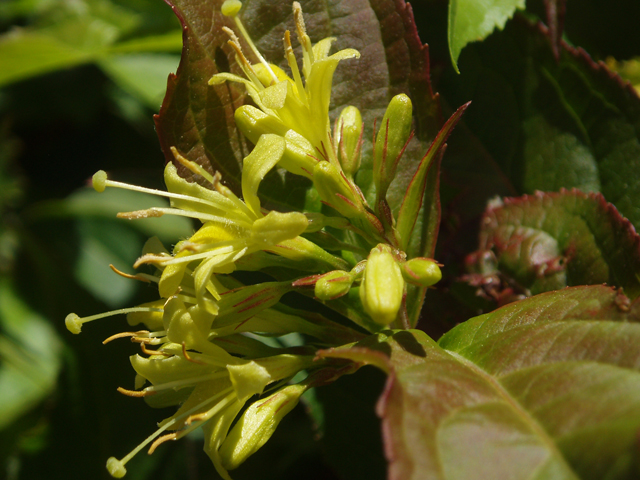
545,388
548,241
26,54
470,20
143,75
544,123
106,240
88,32
30,350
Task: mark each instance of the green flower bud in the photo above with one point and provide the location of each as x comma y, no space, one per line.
348,139
333,285
382,286
335,191
257,424
390,141
421,271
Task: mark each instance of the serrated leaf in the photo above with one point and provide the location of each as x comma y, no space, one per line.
470,20
548,241
546,123
545,388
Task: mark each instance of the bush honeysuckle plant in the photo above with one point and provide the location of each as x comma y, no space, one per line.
195,351
313,179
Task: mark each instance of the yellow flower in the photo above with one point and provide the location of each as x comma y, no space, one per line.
290,103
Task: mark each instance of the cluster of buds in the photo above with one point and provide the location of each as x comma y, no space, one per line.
202,346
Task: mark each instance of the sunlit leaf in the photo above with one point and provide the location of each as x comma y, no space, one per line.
30,350
470,20
545,388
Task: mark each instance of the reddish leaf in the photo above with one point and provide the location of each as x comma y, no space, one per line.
547,241
545,388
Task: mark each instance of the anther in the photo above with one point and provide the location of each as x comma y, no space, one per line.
135,393
128,275
124,335
137,214
162,439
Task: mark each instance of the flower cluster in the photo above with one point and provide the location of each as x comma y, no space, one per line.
202,347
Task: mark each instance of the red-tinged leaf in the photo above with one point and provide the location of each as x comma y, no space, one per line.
545,388
546,123
426,241
422,202
197,118
547,241
555,20
415,193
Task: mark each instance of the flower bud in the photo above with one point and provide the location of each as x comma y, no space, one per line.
348,139
333,285
382,286
421,271
390,141
257,424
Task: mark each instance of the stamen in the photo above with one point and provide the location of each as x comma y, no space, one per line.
293,64
128,275
193,166
116,467
161,440
146,351
73,322
246,66
189,381
231,8
155,259
138,214
100,182
124,335
199,419
135,393
188,358
307,50
159,211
